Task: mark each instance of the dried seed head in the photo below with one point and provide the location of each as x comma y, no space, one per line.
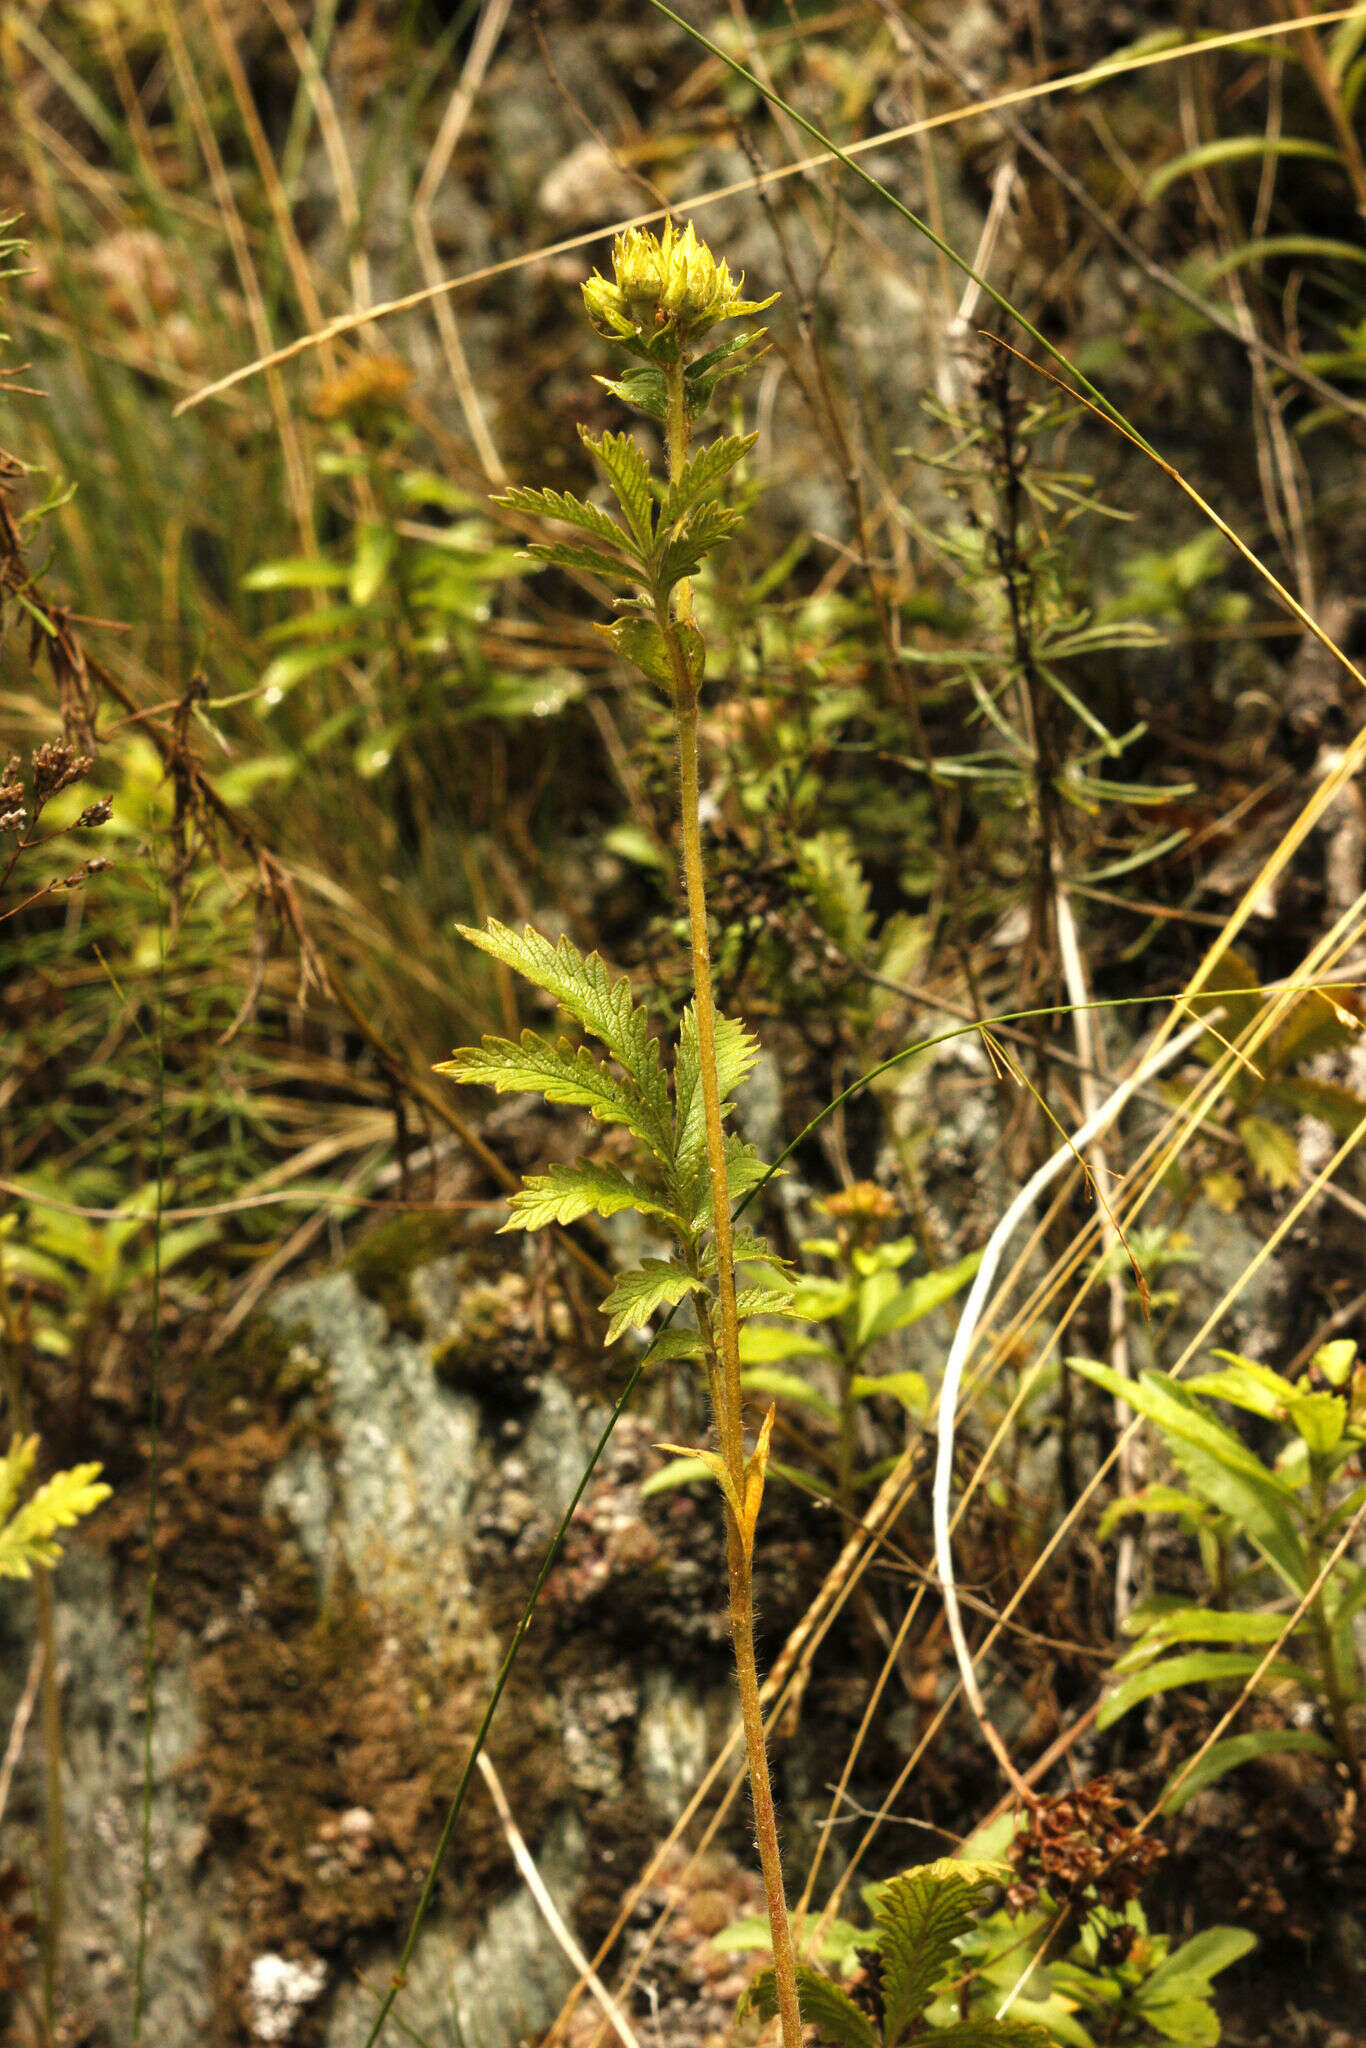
664,292
13,821
96,814
56,765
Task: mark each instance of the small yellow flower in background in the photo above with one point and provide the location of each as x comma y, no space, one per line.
368,383
664,293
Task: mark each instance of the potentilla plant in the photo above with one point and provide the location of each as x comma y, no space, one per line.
664,297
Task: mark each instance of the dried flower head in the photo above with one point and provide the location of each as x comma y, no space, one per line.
96,814
373,382
1076,1848
864,1202
56,765
664,293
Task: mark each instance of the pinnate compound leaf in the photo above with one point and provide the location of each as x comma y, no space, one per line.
920,1917
824,2006
623,462
29,1536
572,511
655,1284
603,1005
702,474
568,1192
1222,1757
560,1073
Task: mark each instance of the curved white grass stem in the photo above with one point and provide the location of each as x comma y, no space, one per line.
1065,1156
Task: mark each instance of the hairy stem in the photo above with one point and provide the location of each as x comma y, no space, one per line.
727,1395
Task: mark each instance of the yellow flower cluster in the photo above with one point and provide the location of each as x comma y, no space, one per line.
664,292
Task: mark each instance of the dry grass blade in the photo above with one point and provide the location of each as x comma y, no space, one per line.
1097,74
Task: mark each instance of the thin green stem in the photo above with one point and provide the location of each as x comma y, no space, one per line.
1335,1692
153,1498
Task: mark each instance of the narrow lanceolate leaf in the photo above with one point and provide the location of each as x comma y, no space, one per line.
638,1295
571,511
701,476
623,462
603,1005
1222,1757
989,2033
920,1917
824,2006
568,1192
559,1073
1217,1463
1200,1667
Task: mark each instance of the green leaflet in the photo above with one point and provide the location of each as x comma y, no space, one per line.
677,1341
593,561
560,1074
701,476
546,504
920,1917
655,1284
604,1006
831,872
832,2011
686,552
737,1050
568,1192
623,463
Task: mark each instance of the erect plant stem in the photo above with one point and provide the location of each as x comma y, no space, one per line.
727,1394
